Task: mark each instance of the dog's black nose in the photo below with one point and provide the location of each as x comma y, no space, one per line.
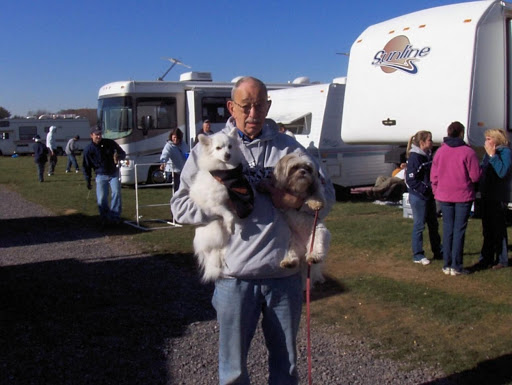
227,156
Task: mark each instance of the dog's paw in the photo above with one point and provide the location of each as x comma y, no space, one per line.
315,204
314,257
229,224
289,263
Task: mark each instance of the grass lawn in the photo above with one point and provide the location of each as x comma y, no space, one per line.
410,312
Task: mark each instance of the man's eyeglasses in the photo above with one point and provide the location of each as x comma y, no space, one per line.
258,107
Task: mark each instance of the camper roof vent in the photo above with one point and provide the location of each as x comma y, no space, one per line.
234,80
196,76
301,80
340,80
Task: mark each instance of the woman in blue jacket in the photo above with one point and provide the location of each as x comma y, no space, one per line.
421,198
494,190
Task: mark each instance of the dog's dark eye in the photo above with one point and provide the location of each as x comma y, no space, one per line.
230,146
218,148
308,169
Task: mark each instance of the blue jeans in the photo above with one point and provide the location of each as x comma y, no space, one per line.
239,304
40,171
71,162
103,182
424,211
455,222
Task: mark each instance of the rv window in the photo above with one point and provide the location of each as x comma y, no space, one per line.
4,135
4,123
162,112
115,117
215,109
301,126
27,132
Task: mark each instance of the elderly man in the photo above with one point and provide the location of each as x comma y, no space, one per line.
206,130
252,281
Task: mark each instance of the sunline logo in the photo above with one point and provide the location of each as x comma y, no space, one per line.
399,54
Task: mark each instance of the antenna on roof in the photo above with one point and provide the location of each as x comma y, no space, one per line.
174,62
343,53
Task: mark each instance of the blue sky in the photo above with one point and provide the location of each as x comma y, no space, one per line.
57,54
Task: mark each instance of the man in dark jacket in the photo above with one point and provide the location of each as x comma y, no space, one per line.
40,156
103,156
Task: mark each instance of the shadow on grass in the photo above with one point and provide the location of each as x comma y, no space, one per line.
329,288
36,230
101,322
491,372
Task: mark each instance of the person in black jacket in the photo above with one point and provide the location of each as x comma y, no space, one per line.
423,204
40,156
103,156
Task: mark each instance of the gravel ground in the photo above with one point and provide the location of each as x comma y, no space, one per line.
79,306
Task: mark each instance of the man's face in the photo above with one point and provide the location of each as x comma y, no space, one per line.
96,138
206,127
249,108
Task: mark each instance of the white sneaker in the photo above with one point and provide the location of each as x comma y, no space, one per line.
423,261
447,270
67,171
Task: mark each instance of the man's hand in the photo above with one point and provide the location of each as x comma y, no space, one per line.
162,167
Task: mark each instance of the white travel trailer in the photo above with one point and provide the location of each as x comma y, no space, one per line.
140,114
424,70
313,113
16,135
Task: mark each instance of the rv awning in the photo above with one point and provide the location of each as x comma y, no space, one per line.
287,118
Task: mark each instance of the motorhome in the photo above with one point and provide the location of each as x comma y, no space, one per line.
313,113
426,69
140,114
16,135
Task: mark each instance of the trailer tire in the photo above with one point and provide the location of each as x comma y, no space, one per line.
155,175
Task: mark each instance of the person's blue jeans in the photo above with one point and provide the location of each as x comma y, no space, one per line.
424,211
455,222
239,304
103,183
71,162
40,171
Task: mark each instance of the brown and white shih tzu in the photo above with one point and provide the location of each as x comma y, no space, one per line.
298,175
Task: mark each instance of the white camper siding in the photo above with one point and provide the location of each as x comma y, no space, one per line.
437,94
489,92
319,108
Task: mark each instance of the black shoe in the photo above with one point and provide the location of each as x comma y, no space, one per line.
480,265
462,272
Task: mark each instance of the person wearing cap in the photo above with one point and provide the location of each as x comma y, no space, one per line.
206,130
103,156
40,156
51,143
70,150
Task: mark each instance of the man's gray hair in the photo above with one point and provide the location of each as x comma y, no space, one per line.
243,80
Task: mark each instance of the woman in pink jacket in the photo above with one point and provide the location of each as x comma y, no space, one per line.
455,171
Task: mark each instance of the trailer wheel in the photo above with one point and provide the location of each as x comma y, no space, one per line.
155,175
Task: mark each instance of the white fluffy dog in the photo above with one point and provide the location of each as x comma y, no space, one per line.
298,175
218,152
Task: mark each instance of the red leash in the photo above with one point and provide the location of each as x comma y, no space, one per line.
308,289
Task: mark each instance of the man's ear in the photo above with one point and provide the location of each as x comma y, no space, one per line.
230,106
